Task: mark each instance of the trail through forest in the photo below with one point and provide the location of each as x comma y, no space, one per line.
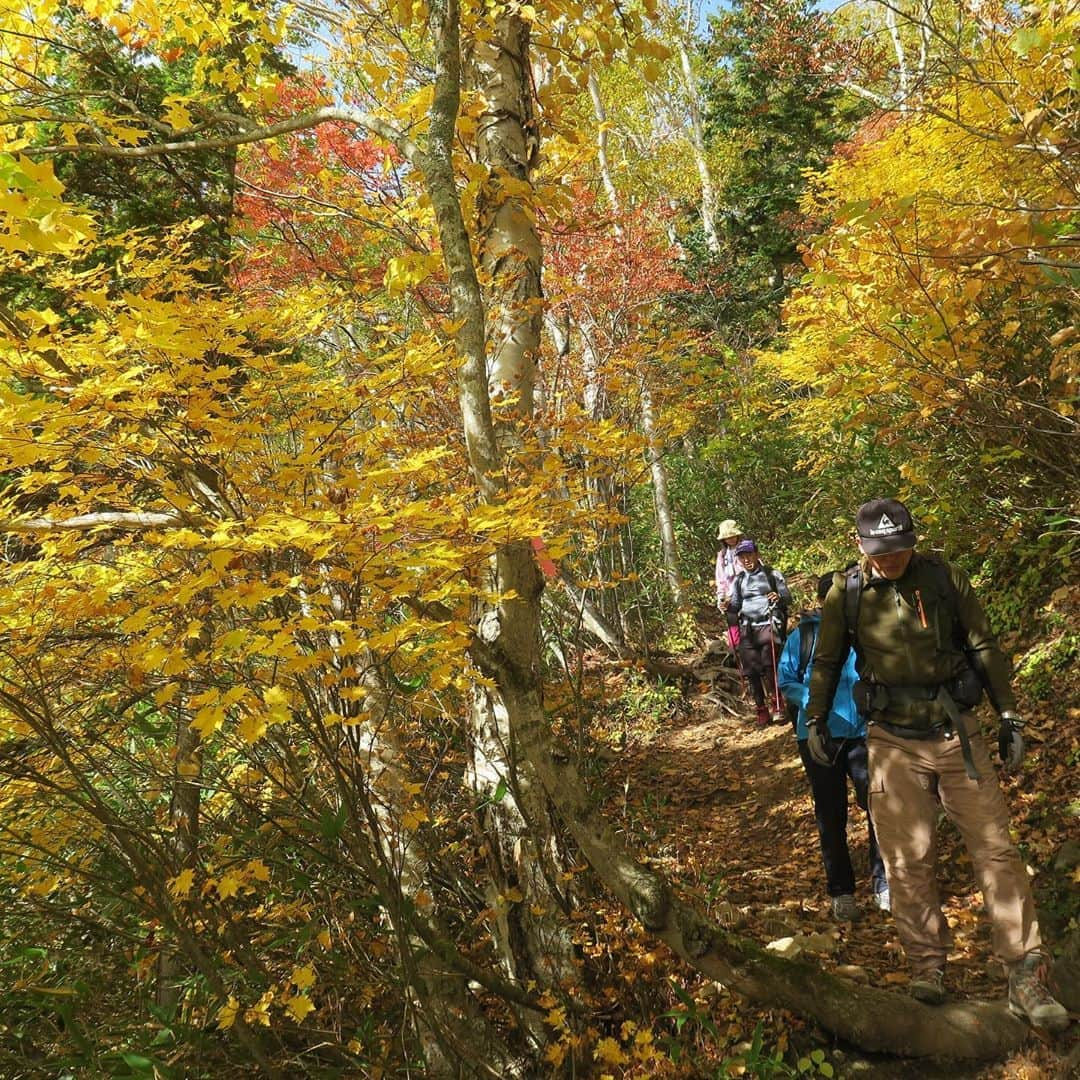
727,810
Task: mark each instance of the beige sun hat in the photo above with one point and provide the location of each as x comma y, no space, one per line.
728,529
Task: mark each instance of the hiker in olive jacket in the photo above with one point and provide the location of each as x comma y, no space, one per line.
924,652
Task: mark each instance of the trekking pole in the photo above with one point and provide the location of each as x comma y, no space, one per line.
738,665
775,672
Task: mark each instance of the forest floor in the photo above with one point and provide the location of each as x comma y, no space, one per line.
724,808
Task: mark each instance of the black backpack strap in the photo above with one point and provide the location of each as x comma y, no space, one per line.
807,643
959,630
853,583
781,607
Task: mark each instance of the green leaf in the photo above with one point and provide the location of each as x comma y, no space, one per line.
332,825
1026,39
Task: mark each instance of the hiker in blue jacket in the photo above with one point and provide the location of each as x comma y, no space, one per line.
828,783
758,607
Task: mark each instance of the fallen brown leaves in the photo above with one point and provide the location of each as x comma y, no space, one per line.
724,808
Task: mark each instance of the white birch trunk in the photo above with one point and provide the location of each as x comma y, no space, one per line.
901,56
661,500
697,144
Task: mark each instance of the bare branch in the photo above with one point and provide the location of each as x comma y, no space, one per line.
113,519
331,114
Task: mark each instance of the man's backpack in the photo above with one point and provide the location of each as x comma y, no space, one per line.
966,690
853,590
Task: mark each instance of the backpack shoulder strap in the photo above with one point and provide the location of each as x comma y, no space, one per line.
807,642
771,578
947,590
853,583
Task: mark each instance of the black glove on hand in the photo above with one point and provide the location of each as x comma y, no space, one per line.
1010,741
819,742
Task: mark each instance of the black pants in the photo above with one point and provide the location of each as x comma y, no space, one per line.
757,649
828,787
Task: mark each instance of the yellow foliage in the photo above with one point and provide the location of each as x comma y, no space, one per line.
299,1006
917,303
610,1052
227,1014
180,886
240,512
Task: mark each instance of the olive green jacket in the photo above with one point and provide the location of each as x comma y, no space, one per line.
905,634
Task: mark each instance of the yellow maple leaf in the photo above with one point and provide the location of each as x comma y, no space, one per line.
610,1053
556,1053
43,886
228,885
277,704
252,728
303,977
220,559
180,885
298,1007
412,819
176,114
258,870
208,719
259,1013
41,175
226,1016
556,1018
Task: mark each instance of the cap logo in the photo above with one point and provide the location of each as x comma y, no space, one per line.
885,527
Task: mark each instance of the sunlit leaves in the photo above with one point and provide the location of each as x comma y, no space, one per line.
929,295
34,217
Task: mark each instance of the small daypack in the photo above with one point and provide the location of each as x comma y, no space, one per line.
781,611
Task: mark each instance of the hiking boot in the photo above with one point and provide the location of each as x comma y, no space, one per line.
844,908
778,717
762,719
882,900
928,986
1029,997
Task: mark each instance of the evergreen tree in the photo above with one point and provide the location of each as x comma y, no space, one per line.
771,113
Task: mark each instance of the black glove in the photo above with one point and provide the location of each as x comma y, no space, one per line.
732,617
819,742
1010,741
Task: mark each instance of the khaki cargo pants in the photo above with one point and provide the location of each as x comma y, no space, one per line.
908,780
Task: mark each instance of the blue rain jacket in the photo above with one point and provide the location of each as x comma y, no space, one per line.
844,721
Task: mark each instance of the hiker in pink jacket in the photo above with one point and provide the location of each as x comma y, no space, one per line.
728,569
